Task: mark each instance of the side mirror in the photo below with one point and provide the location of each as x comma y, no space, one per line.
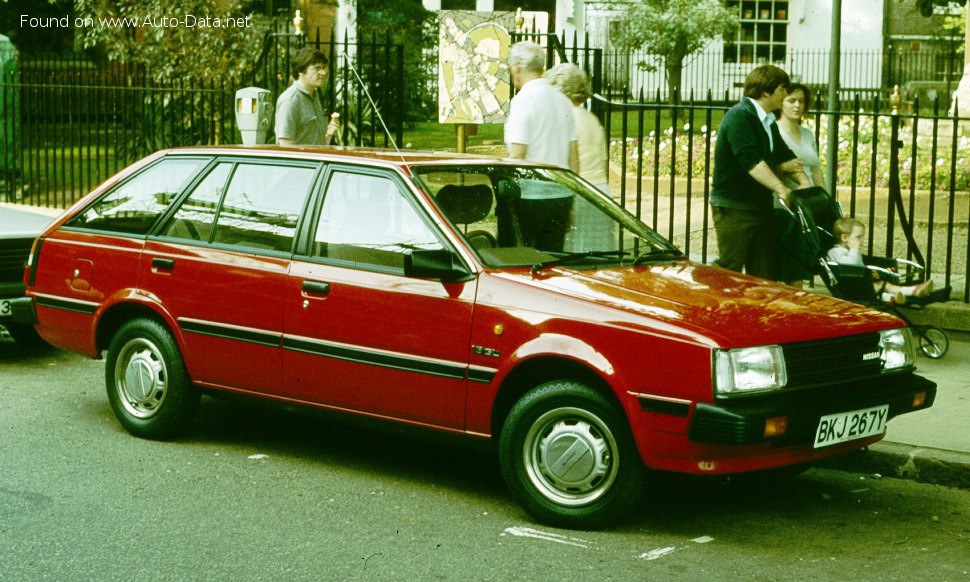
440,264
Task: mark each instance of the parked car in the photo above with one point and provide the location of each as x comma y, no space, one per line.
18,229
491,298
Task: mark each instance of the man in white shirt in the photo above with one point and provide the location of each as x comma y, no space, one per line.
540,128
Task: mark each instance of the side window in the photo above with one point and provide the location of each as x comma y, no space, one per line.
134,206
195,217
262,205
368,220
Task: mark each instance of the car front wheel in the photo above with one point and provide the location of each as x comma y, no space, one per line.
148,387
568,457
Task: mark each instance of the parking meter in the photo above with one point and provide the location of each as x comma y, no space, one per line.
254,114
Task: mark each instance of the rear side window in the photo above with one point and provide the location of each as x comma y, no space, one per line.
262,206
194,219
255,206
134,206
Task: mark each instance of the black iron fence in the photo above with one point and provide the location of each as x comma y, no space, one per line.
68,125
664,162
932,72
63,135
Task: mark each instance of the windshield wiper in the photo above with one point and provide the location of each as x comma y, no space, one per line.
659,256
572,257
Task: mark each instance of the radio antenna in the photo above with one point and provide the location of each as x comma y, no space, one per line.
372,103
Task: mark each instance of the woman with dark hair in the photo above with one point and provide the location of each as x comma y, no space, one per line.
796,256
800,139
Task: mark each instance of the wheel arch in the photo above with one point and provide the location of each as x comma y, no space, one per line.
118,314
538,370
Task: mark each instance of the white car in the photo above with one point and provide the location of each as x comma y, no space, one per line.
18,229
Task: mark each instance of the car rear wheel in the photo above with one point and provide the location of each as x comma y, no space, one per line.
148,386
568,457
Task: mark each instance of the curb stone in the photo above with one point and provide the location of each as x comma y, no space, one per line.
921,464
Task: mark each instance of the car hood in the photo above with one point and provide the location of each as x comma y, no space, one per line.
729,308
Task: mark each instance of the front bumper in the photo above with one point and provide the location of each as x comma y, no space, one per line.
741,421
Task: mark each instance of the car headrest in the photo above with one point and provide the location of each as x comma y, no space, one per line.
465,204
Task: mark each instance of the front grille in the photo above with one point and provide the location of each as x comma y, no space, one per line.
13,258
841,359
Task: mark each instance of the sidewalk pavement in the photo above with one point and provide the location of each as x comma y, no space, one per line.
930,446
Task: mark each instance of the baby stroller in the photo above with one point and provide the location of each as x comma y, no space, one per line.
816,212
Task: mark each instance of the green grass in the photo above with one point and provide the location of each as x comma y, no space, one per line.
440,137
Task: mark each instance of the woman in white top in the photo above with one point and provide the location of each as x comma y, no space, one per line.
796,259
800,139
590,230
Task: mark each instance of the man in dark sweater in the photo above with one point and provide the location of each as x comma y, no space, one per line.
748,158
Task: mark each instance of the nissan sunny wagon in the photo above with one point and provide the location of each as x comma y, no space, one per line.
491,298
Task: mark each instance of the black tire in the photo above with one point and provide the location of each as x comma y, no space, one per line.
601,484
933,342
148,386
26,336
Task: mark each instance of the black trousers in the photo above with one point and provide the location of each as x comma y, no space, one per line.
746,240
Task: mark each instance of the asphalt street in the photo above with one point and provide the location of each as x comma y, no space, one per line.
256,493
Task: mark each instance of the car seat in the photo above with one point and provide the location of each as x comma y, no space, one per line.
467,205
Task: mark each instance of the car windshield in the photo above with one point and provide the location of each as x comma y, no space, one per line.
539,217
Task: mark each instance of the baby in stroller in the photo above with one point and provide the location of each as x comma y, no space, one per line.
883,283
848,234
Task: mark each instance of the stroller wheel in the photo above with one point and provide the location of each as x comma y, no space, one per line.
933,341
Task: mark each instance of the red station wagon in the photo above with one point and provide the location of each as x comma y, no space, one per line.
496,299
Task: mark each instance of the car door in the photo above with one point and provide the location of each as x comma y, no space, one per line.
358,334
219,265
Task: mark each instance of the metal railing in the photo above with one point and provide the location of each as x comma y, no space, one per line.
68,127
663,162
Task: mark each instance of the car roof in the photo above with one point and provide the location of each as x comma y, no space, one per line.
376,156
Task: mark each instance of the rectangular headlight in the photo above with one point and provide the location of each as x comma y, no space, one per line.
897,348
745,370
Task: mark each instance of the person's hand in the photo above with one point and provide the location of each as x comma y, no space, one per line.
792,166
333,128
784,194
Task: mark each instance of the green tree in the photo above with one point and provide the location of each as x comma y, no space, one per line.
171,53
409,23
675,29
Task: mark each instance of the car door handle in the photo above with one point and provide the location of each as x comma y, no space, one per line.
316,287
163,264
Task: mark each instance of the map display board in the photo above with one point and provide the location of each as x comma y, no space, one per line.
473,73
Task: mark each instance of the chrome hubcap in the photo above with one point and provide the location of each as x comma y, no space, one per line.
141,380
569,456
